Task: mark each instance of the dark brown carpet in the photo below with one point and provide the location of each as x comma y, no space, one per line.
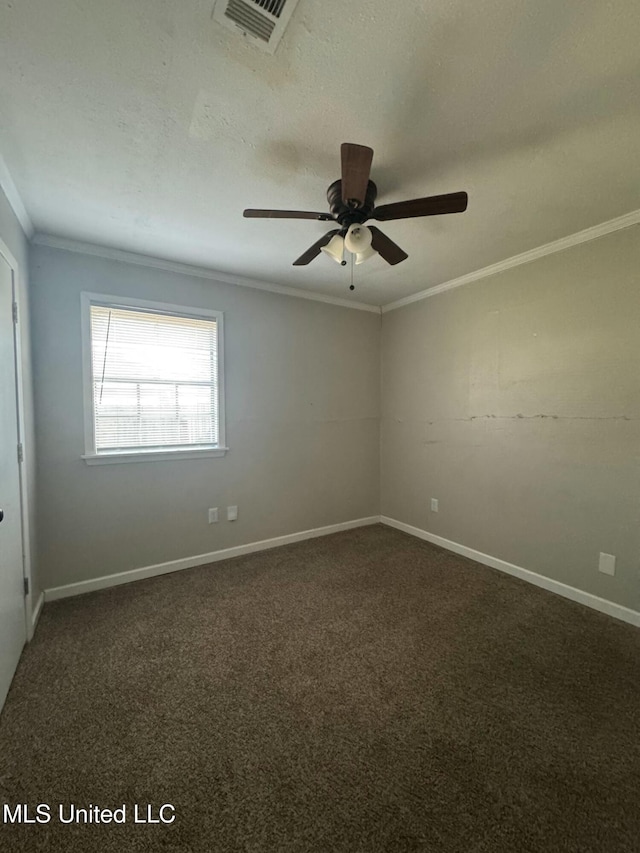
360,692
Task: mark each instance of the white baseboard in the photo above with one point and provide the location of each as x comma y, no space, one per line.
625,614
593,601
35,614
200,560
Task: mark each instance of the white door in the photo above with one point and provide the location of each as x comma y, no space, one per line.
12,614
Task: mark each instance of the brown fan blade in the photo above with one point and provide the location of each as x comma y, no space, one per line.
385,247
286,214
356,167
435,205
313,251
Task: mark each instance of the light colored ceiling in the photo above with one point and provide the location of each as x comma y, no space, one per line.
148,127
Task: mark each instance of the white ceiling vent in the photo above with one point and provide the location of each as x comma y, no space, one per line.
262,21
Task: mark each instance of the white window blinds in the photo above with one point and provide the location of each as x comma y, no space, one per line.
154,380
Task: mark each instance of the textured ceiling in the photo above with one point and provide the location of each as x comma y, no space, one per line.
148,127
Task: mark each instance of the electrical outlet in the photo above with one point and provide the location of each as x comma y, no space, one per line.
607,564
213,515
232,513
434,504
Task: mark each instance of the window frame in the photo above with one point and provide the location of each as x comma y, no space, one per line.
94,457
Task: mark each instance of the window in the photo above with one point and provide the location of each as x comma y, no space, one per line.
153,380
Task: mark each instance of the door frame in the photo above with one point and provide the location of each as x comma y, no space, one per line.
18,343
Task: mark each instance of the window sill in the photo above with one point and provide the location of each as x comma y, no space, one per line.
152,455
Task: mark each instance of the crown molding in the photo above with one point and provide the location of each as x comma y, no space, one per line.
13,197
187,269
588,234
632,218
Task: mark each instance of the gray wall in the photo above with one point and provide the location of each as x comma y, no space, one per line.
302,400
14,237
515,401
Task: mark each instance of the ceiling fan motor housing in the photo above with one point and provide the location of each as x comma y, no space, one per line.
346,215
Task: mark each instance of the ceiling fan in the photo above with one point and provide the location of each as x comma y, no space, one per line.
352,203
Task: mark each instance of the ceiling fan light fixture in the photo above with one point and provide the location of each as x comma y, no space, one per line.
335,249
365,254
358,239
